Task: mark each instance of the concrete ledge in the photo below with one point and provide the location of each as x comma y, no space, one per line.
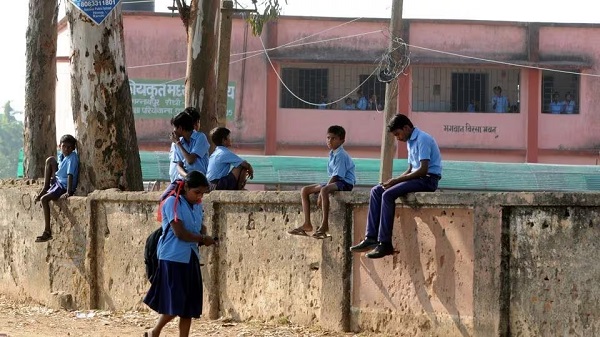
468,263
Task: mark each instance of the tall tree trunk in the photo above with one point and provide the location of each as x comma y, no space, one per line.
101,102
40,87
201,75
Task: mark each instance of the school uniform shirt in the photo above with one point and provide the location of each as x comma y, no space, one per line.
362,103
569,107
171,248
500,104
422,146
341,165
221,162
556,107
173,173
198,146
68,165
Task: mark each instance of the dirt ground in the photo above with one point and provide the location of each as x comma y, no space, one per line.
29,319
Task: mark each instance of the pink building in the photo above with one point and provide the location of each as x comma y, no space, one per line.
448,89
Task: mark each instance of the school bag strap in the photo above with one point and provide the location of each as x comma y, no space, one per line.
176,191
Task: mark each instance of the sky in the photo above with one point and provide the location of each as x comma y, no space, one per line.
13,21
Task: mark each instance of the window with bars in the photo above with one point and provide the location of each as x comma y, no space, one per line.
560,93
336,85
310,85
445,89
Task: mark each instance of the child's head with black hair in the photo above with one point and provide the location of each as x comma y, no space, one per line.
182,121
398,122
336,136
195,114
195,185
220,136
67,144
401,127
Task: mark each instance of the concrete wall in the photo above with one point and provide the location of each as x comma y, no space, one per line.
468,264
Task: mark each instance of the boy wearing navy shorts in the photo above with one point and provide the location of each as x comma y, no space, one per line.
60,180
226,170
341,178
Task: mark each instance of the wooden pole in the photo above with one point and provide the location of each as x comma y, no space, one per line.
388,143
223,71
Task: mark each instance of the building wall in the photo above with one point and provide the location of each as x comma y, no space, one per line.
574,131
152,39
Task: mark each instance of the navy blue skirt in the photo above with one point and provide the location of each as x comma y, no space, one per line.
177,289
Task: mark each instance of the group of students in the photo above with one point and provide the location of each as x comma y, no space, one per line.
190,152
567,106
176,285
422,175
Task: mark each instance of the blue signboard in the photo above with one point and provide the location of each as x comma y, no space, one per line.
97,10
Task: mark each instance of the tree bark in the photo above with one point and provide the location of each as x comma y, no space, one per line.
101,102
201,74
40,87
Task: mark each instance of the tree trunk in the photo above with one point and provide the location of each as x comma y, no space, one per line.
101,102
40,87
201,75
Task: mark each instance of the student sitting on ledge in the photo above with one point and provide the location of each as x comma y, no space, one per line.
340,170
60,180
226,170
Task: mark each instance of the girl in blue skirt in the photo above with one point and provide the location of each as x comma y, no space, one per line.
176,288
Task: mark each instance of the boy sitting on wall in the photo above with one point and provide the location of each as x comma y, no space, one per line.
60,180
226,170
341,178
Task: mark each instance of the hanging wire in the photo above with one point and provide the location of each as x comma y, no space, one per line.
394,61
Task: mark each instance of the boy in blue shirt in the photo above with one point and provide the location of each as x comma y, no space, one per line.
341,178
60,180
191,146
173,157
422,175
226,170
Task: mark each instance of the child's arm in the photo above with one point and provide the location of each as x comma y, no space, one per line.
183,234
333,179
248,167
181,170
69,187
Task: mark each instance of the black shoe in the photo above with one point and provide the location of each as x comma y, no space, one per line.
365,245
380,251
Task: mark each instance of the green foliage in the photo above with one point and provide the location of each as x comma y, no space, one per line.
257,19
11,141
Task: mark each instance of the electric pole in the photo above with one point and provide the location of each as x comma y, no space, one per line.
388,143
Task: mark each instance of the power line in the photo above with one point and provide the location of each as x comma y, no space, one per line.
304,44
258,52
304,101
501,62
156,64
300,39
